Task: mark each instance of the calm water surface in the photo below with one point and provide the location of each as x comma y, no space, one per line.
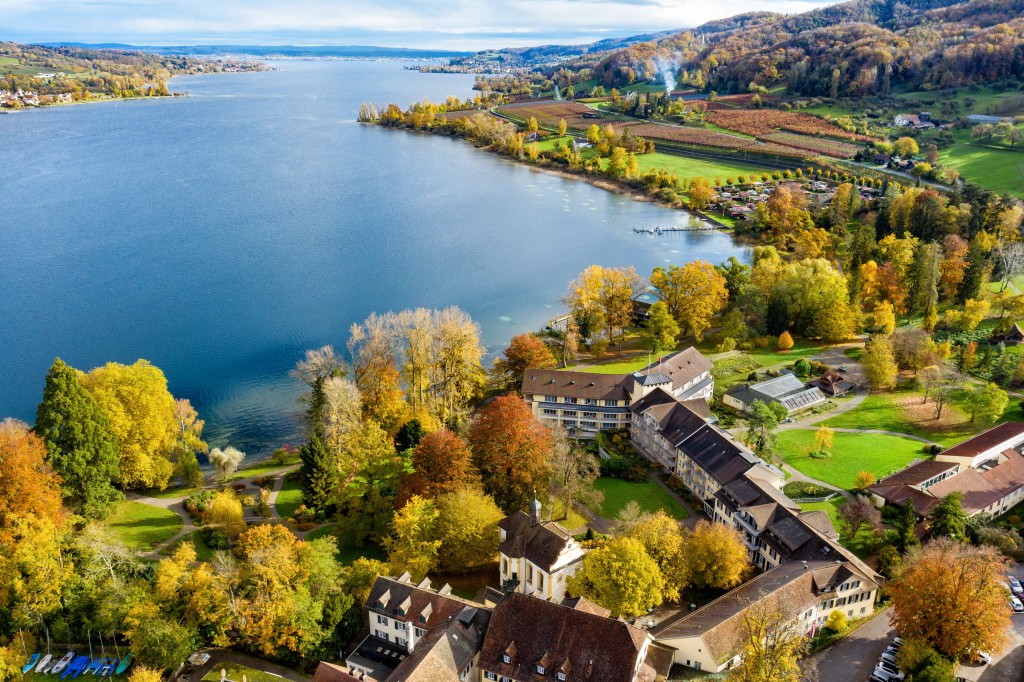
222,234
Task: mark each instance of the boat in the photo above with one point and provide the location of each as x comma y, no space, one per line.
31,663
94,666
109,664
59,666
44,664
123,665
75,667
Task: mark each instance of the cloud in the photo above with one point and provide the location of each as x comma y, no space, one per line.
415,23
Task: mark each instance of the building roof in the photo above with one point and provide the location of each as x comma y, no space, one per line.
584,604
833,382
719,624
986,440
542,544
575,384
917,473
585,645
447,650
786,389
681,367
329,672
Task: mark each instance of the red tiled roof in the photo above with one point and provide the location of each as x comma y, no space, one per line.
986,440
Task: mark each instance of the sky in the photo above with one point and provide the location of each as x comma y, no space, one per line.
437,24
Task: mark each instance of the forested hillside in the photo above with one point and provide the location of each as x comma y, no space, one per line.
858,48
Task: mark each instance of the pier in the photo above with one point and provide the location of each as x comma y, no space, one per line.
660,229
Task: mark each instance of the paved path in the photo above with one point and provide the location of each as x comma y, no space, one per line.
812,419
218,657
853,657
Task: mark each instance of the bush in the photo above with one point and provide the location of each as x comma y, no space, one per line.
598,348
197,504
728,344
282,456
836,622
214,538
264,481
802,367
626,468
799,489
818,367
785,341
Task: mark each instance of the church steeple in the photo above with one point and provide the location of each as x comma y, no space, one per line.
534,510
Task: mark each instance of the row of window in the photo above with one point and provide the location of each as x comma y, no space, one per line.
586,401
540,671
400,625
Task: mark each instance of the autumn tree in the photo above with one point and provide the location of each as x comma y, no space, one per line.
621,577
523,351
785,341
951,595
715,556
225,514
823,439
28,485
141,413
884,318
662,538
660,329
813,294
190,441
986,403
905,147
226,460
772,644
880,364
863,480
80,445
512,451
561,127
573,472
694,294
413,545
700,194
35,575
858,512
467,526
442,464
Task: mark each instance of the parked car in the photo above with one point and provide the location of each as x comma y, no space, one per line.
888,671
1018,606
892,650
898,641
1015,585
887,657
983,657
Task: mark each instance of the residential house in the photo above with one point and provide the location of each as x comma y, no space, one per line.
682,440
711,637
833,384
987,470
416,635
906,120
530,640
584,403
785,389
537,557
1014,335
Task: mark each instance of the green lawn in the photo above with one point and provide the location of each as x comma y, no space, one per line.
881,411
142,526
992,166
171,493
262,468
649,495
235,673
203,551
735,368
621,367
688,167
859,545
290,497
347,551
852,453
572,521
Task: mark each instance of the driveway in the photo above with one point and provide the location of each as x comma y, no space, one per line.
852,658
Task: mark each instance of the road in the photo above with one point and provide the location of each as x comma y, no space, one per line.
853,657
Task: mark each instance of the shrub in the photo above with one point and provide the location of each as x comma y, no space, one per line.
836,622
214,538
264,481
798,489
785,341
728,344
626,468
197,504
282,455
802,367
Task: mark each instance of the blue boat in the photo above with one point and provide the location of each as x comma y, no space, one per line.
124,664
75,667
108,667
31,663
94,666
59,666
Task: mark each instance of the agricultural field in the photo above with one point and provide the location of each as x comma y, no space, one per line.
818,145
686,167
760,122
549,113
704,137
992,166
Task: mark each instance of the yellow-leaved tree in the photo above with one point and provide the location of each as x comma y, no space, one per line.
772,645
694,293
141,412
715,556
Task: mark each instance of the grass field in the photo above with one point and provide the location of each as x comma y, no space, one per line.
203,551
572,521
171,493
290,498
991,166
904,411
235,673
347,552
262,468
620,367
859,545
142,526
687,167
852,452
735,368
649,495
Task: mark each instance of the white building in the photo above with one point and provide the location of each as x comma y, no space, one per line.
537,557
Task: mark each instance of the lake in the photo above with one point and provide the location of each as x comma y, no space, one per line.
220,235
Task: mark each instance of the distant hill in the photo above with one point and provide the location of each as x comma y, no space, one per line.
265,51
545,55
858,48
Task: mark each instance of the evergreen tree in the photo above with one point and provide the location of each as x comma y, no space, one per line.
948,518
905,524
974,275
319,473
79,443
924,279
409,436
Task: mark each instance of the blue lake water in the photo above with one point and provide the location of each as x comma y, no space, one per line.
220,235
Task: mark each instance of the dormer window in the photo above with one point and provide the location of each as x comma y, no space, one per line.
505,658
423,619
540,670
561,676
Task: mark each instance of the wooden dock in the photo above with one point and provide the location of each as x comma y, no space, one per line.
661,229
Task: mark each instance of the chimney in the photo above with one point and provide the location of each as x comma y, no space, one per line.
534,510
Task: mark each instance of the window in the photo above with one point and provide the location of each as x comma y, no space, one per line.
696,664
505,658
401,641
571,401
381,634
568,413
611,403
551,398
560,676
540,670
490,676
382,620
590,414
548,410
399,625
590,401
589,425
529,573
609,425
423,619
420,632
